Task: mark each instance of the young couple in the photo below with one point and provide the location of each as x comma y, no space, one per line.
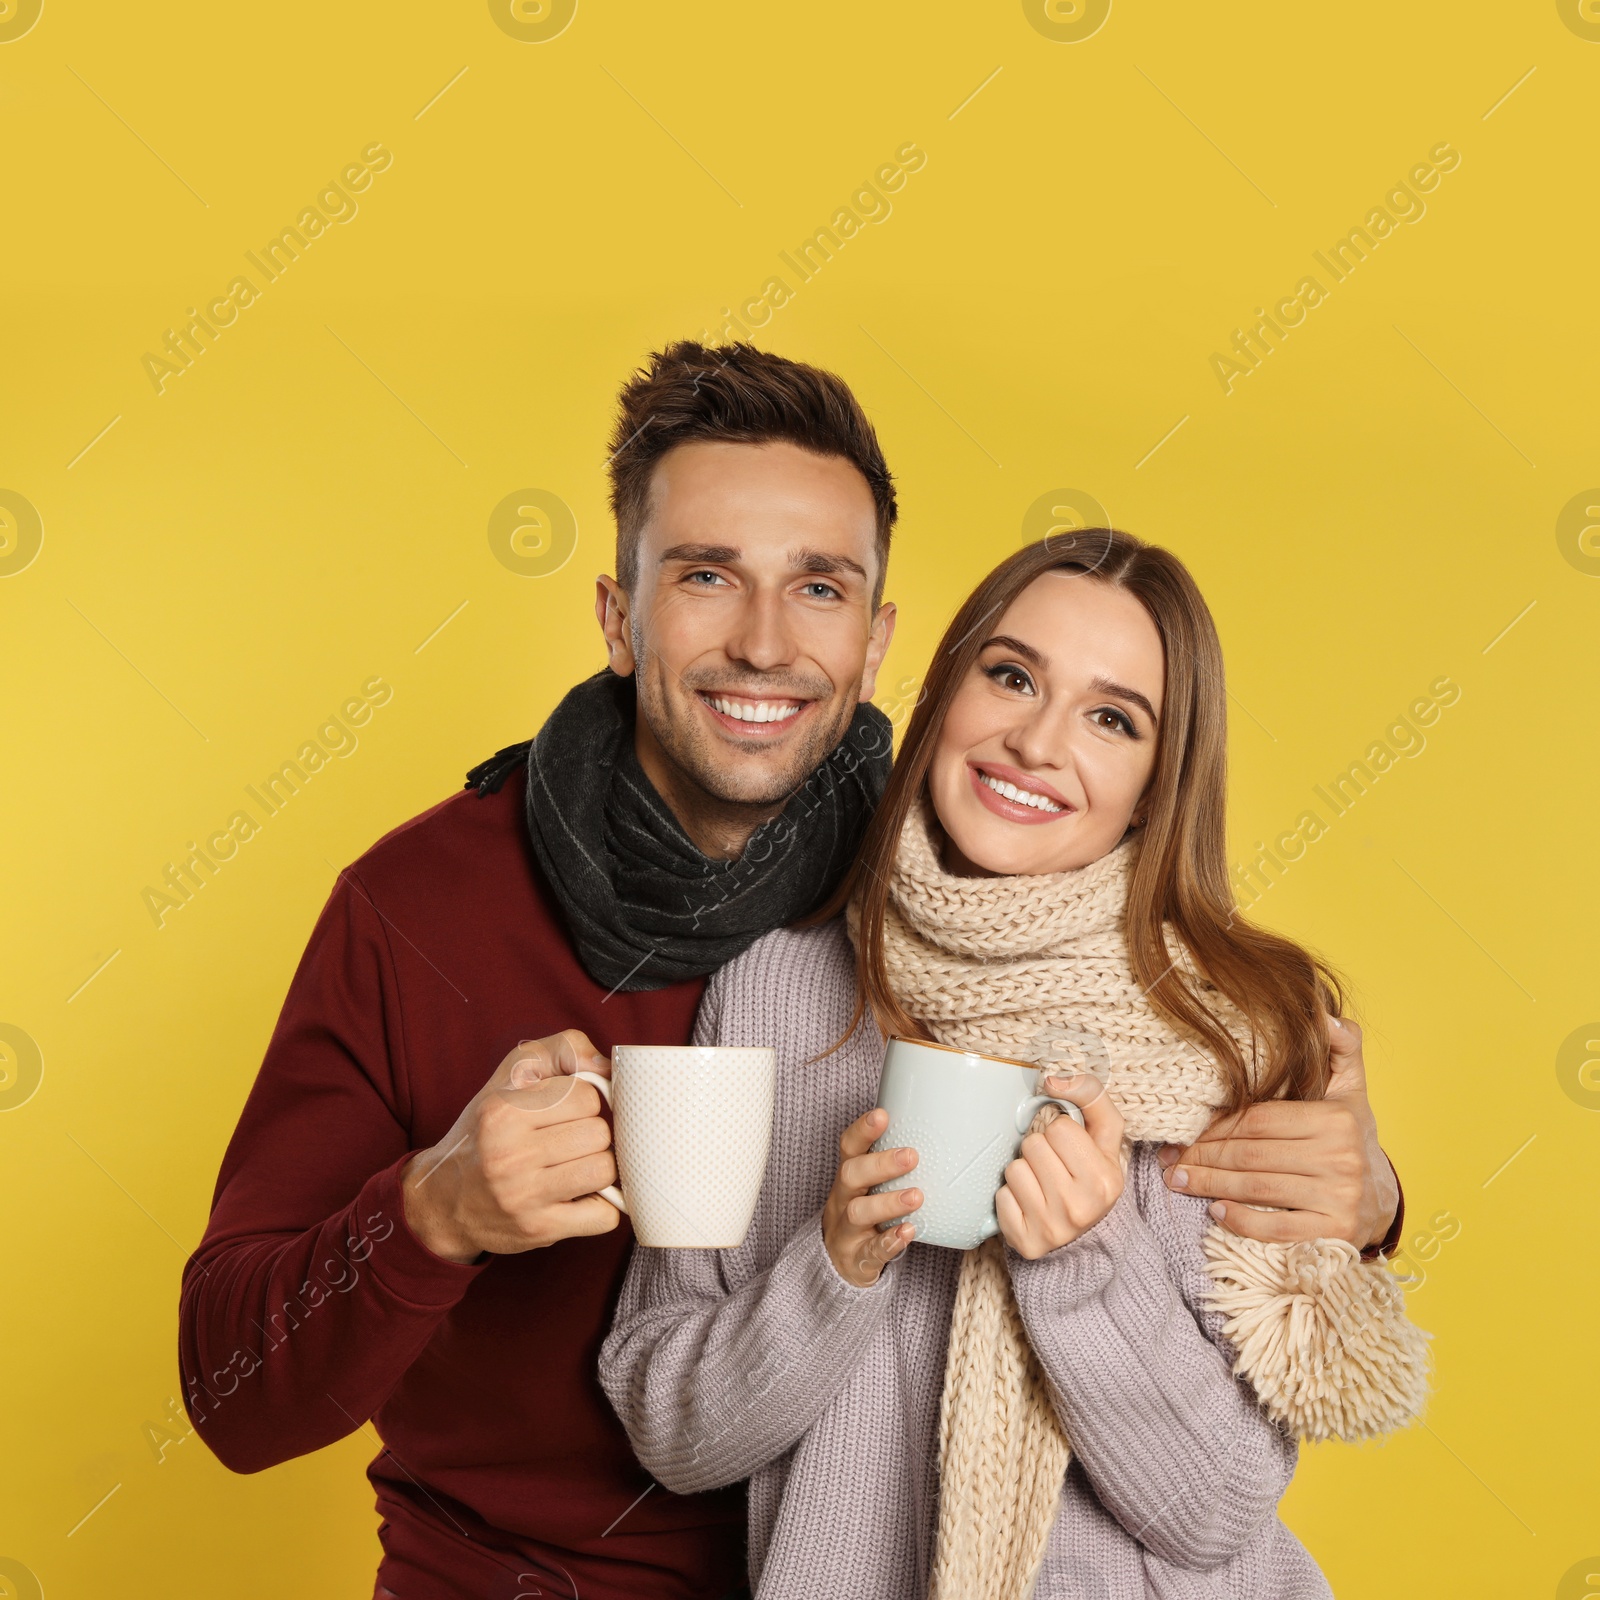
1103,1401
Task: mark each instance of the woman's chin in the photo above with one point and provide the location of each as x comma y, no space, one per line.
998,849
986,846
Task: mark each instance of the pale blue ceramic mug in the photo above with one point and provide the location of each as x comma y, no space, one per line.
965,1115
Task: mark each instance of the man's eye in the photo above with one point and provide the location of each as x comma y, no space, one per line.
822,591
704,578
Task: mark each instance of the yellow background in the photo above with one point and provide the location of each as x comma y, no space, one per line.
306,505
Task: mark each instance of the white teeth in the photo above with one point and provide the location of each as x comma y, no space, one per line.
1025,797
754,711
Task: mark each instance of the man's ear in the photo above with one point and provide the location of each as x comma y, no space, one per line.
877,648
611,612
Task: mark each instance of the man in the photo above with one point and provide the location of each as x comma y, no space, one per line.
395,1238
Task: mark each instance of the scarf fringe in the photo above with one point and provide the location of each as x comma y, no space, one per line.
1321,1335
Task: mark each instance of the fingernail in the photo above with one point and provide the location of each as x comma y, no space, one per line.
1179,1178
1063,1080
1167,1154
1217,1209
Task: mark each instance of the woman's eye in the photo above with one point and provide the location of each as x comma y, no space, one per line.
1116,720
1012,678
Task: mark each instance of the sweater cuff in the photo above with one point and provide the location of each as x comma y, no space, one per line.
823,1278
1073,1266
400,1262
1390,1242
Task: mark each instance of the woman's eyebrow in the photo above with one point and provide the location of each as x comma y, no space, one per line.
1123,692
1017,648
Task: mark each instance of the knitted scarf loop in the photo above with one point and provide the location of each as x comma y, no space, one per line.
1036,969
644,906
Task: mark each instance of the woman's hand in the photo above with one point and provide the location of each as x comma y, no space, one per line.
1067,1178
858,1247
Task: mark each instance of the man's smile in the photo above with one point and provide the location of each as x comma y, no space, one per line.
752,716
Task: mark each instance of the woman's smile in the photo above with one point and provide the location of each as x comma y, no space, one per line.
1015,795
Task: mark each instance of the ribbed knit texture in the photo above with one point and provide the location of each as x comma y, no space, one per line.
1024,967
762,1363
1036,968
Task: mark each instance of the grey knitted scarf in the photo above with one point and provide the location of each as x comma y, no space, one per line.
645,908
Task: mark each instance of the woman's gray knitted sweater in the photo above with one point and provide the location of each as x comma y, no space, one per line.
763,1363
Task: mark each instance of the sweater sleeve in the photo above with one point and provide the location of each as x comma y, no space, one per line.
309,1296
712,1386
1177,1449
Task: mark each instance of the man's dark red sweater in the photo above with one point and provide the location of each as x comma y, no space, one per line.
310,1307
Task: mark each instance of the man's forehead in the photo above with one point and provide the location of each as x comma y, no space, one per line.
765,502
731,469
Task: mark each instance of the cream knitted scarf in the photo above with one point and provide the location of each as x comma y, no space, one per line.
1037,969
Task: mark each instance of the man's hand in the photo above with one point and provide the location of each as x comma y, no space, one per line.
521,1165
1319,1160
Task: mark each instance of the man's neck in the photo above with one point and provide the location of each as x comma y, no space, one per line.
717,828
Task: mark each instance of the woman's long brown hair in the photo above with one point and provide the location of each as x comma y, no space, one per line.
1180,876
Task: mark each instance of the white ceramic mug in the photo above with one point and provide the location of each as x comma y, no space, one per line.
692,1126
966,1116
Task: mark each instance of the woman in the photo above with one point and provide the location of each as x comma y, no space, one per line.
1055,1413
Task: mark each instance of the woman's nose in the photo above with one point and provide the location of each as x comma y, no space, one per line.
1043,739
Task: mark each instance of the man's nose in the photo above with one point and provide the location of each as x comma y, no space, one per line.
762,637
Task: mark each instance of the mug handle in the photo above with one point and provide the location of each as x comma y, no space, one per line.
1026,1112
1029,1109
611,1192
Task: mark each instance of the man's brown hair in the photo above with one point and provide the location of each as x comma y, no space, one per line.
737,393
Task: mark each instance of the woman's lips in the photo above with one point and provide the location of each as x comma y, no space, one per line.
1016,810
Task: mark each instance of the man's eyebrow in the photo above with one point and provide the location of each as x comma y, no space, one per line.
1123,692
712,555
826,561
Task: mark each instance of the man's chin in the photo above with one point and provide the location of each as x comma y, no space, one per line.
761,792
761,778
